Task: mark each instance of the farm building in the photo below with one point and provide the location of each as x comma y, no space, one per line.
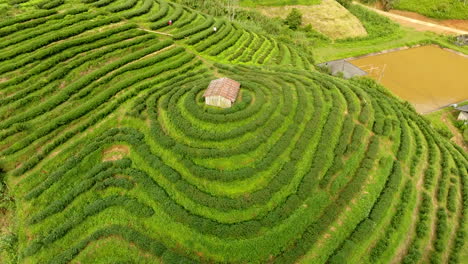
342,66
463,113
222,92
462,40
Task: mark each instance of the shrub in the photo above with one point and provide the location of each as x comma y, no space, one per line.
345,3
294,19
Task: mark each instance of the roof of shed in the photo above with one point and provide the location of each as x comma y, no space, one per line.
462,108
224,87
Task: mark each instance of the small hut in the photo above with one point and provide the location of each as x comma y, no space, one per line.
342,66
222,92
463,116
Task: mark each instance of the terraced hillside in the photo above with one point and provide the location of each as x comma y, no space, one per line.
112,156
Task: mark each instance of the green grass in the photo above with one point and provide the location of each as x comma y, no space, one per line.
254,3
441,9
111,154
383,35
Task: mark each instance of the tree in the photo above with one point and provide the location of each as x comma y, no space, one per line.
388,4
345,3
294,19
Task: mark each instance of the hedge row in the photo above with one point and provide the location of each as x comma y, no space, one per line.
28,17
57,36
233,37
49,4
107,110
97,174
131,205
163,21
123,40
44,53
102,3
124,6
15,28
244,44
141,240
144,9
195,29
67,92
220,24
46,29
382,245
441,236
422,229
379,209
215,38
252,49
268,51
163,9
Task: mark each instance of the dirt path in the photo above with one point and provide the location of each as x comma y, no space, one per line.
451,23
156,32
417,23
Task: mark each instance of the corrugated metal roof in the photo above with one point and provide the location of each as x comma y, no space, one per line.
224,87
462,108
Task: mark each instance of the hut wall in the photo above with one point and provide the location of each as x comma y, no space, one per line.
463,116
218,101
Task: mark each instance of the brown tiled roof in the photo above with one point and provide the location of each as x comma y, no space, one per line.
224,87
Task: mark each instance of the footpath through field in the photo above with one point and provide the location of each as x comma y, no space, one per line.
417,24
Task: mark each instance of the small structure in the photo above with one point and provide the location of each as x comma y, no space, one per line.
463,116
342,66
462,40
222,92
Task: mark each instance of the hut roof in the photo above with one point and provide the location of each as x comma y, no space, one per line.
224,87
463,108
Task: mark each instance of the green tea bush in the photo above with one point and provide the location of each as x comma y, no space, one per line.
124,6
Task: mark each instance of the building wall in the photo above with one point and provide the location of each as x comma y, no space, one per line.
463,116
218,101
349,70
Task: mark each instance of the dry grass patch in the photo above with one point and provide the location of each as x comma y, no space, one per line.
115,152
328,17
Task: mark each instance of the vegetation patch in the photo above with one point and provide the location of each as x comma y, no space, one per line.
441,9
110,154
328,17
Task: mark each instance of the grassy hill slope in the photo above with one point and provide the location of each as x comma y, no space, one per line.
111,155
328,17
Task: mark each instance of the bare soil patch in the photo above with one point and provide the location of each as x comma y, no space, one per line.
115,152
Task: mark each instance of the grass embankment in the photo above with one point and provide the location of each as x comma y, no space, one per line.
441,9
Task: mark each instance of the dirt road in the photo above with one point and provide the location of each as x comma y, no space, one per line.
418,24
